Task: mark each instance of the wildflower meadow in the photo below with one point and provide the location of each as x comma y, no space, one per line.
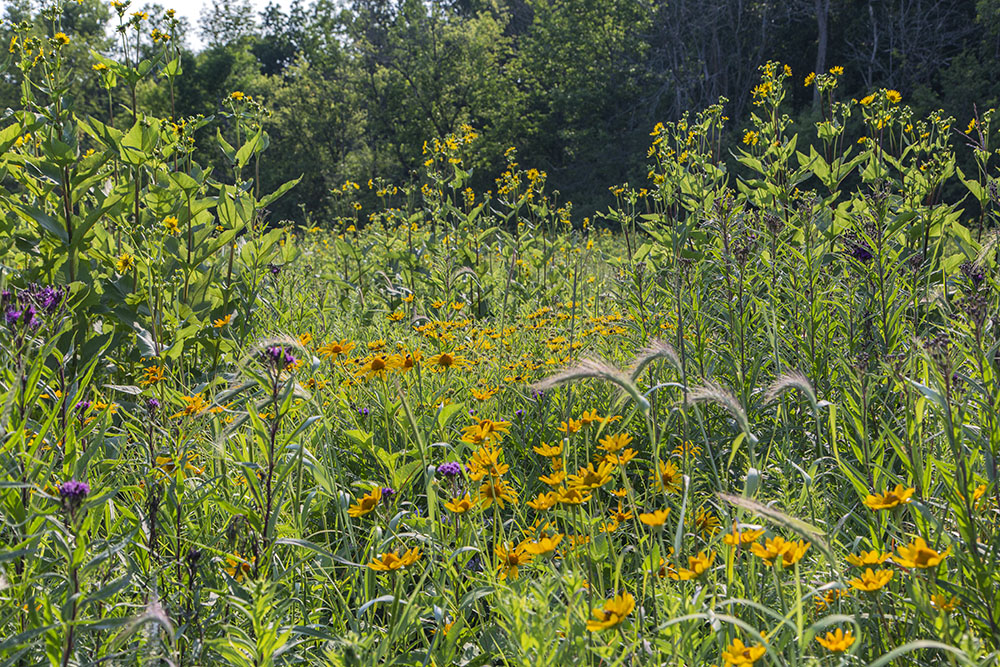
749,414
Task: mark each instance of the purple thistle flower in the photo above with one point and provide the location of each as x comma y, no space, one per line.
11,316
73,493
152,405
387,494
450,469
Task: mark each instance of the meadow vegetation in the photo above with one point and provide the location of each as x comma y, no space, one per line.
731,420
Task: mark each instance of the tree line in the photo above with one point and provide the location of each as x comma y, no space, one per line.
355,88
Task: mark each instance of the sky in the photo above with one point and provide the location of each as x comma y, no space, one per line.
191,10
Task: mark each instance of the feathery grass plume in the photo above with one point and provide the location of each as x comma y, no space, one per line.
988,247
595,369
713,392
657,349
805,530
788,381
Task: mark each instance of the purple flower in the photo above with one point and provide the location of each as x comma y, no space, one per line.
278,356
11,316
73,493
152,405
274,268
450,469
387,494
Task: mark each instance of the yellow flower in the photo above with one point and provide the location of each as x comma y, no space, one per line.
837,70
168,465
461,505
751,138
544,501
590,477
918,555
738,537
496,491
238,567
391,561
614,443
554,479
868,558
944,603
445,361
510,558
867,99
543,545
486,461
740,654
484,395
612,613
572,496
374,366
192,406
771,549
60,38
222,321
237,95
697,566
668,479
655,519
810,78
882,501
705,522
893,96
125,262
570,427
335,349
151,375
170,223
794,553
365,503
549,451
871,580
837,641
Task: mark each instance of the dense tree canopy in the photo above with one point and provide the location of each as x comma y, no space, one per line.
357,86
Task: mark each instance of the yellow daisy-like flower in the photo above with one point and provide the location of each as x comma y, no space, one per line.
125,263
615,443
738,537
882,501
656,519
544,501
572,496
554,479
335,349
871,580
496,491
868,558
151,375
391,561
543,545
193,405
549,450
590,477
374,366
461,505
918,555
740,654
794,553
170,224
238,567
510,558
365,503
697,566
944,603
668,478
837,641
893,96
222,321
770,550
444,362
612,613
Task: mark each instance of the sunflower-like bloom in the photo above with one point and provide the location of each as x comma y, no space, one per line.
871,580
697,566
554,479
738,537
543,545
544,501
612,613
572,496
486,461
570,427
365,503
333,350
391,561
374,366
868,558
771,549
917,554
614,443
496,491
549,451
590,477
655,519
794,553
446,362
883,501
668,478
461,505
193,405
740,654
238,567
510,558
485,430
837,641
